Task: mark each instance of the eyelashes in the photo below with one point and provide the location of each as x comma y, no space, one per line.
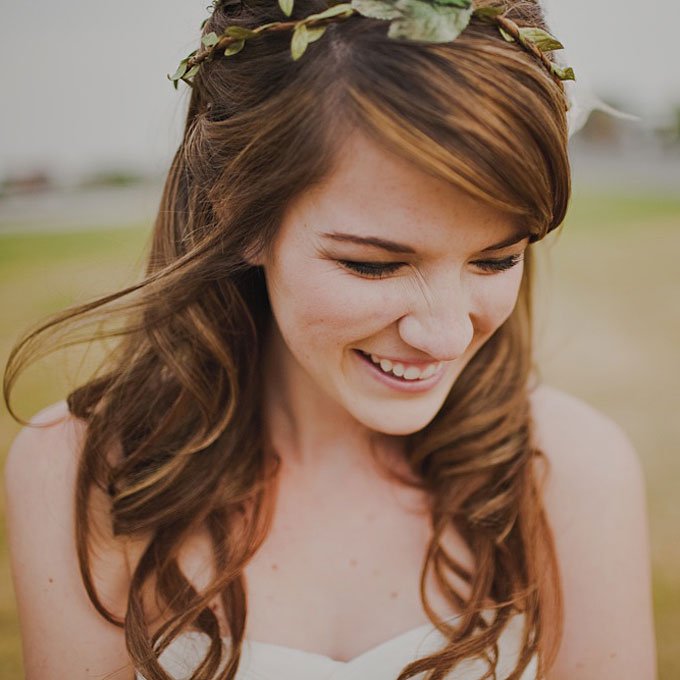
499,265
373,269
378,270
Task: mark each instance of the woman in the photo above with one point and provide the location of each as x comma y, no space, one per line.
319,450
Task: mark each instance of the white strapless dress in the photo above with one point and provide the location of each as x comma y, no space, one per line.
265,661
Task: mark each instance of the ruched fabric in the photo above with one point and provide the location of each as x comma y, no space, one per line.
266,661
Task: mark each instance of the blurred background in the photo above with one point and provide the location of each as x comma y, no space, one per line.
88,127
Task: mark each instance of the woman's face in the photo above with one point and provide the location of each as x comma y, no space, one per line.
384,282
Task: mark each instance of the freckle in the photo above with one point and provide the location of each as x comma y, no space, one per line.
51,580
376,572
394,594
275,567
370,517
612,655
580,665
352,563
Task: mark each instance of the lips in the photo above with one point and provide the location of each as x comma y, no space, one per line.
402,369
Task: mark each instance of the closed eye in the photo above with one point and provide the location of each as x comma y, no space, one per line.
378,270
499,265
373,269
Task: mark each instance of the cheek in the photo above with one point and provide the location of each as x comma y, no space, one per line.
318,305
494,298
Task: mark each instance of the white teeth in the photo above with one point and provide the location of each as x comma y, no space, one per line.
412,373
428,372
401,371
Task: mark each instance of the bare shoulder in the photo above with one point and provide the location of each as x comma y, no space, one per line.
595,500
48,446
62,633
578,439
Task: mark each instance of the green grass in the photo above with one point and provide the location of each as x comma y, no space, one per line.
608,329
612,210
41,247
41,274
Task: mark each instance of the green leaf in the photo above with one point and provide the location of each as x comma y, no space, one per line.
376,9
542,39
264,27
234,47
210,40
239,32
506,35
298,43
563,73
429,23
336,10
315,32
463,4
192,71
488,12
181,70
286,7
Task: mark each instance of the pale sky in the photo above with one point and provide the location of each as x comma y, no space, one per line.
83,81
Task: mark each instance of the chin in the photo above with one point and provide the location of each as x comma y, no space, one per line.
400,419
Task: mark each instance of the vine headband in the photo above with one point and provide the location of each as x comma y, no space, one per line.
434,21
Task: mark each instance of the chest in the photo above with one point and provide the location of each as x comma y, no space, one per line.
339,571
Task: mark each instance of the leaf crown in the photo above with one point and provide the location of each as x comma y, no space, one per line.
434,21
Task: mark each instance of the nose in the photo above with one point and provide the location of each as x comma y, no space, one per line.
439,325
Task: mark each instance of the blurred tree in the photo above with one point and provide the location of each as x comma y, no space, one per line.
668,132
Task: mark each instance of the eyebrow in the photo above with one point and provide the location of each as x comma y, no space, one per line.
394,247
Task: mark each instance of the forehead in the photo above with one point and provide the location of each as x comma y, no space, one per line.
374,192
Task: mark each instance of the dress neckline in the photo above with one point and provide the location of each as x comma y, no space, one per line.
340,662
424,630
384,661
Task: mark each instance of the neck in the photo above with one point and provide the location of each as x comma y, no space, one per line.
310,431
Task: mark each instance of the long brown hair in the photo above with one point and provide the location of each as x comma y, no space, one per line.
180,396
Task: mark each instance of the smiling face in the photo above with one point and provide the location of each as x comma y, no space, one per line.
386,260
